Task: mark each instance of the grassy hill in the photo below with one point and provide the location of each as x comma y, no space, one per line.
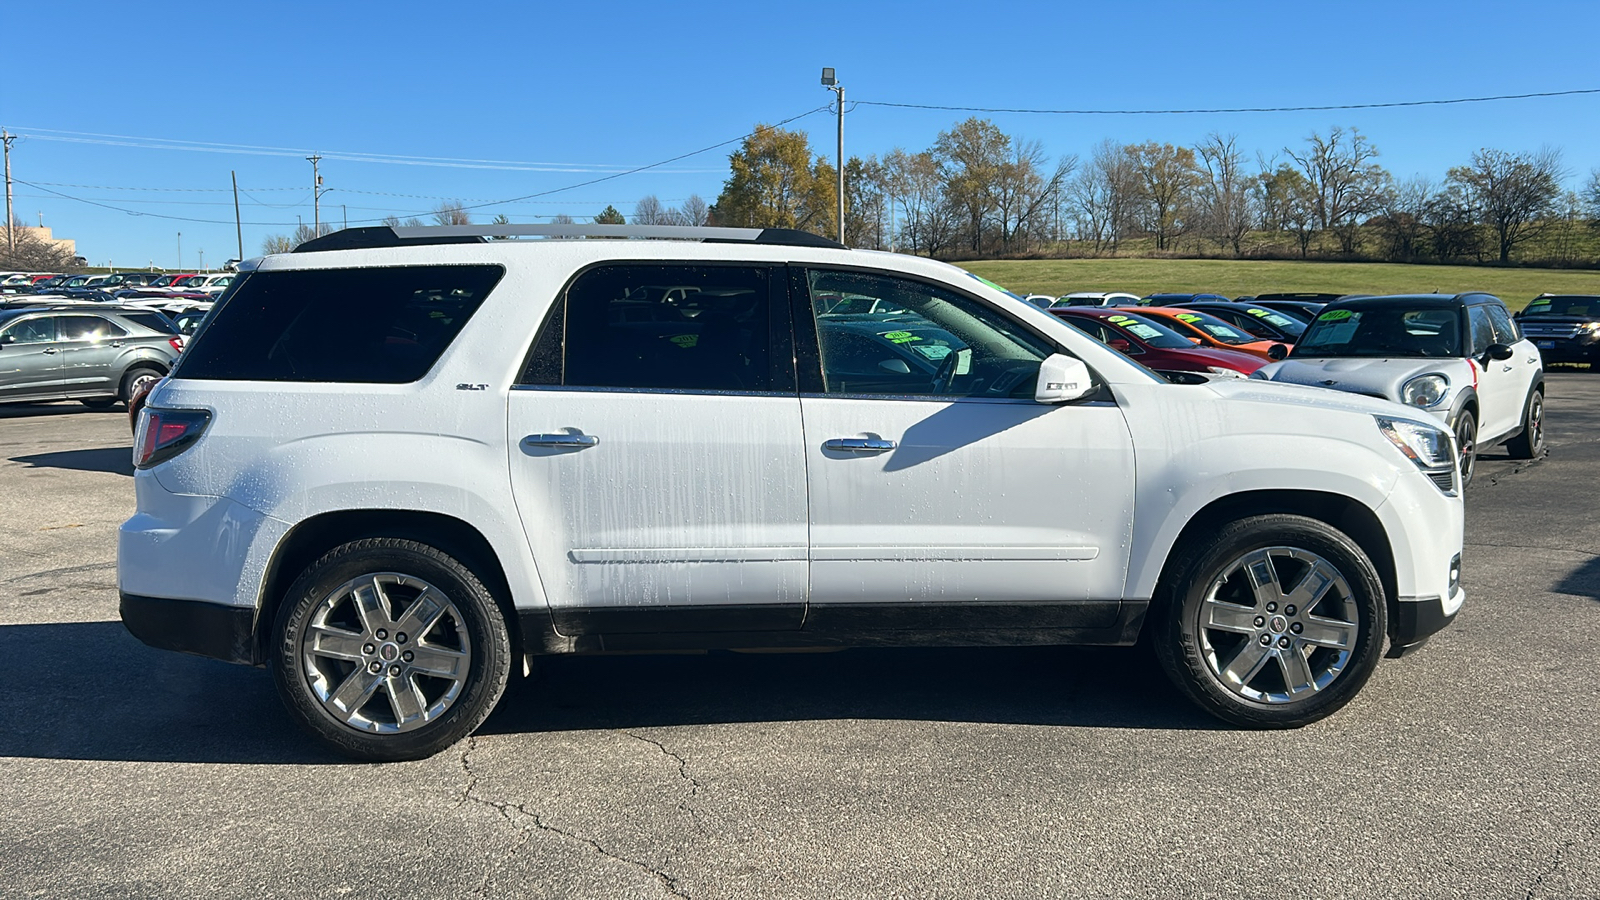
1238,277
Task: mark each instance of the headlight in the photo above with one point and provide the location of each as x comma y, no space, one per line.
1225,372
1425,391
1429,447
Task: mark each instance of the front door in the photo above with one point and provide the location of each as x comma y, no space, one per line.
952,487
656,453
30,360
1501,384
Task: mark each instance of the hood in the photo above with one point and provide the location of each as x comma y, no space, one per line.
1255,389
1228,359
1377,376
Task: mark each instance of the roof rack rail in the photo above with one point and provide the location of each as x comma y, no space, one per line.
386,236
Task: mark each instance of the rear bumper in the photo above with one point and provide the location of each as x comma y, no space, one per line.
220,632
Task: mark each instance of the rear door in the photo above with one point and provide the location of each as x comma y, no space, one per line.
90,346
954,497
656,452
30,361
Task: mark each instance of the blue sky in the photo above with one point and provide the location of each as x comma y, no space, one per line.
553,94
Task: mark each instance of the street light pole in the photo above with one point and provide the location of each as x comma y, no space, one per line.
830,82
180,250
316,195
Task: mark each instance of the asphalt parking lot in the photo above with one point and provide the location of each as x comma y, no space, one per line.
1465,770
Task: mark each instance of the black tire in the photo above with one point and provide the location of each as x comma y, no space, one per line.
1530,443
98,402
1467,443
1204,578
468,630
131,378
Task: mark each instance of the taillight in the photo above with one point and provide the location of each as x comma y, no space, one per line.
177,344
164,433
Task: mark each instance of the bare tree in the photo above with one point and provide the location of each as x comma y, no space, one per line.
1516,193
1591,197
694,211
451,212
278,243
971,156
1224,191
648,211
1450,221
1346,185
1104,196
24,249
1400,217
1167,179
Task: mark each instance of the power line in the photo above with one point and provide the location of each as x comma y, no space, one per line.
1241,109
108,187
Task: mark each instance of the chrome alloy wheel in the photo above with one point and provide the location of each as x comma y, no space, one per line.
1278,625
386,653
141,382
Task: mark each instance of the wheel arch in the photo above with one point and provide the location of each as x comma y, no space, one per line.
1350,516
308,540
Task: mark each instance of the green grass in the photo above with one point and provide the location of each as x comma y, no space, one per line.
1239,277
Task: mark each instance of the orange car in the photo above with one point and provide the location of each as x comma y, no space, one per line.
1210,331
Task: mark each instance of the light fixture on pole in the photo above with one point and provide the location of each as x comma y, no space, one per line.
832,83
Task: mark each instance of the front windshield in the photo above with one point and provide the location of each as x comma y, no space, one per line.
1214,328
1279,321
1387,331
1151,333
1564,306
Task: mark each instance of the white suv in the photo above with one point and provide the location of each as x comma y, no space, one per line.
397,463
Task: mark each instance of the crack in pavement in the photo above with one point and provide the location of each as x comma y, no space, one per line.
683,772
1556,861
537,823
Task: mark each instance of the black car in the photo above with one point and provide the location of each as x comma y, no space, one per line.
1565,328
1258,321
1175,299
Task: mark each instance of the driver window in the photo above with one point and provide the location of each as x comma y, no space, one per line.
1505,331
33,331
881,335
1482,329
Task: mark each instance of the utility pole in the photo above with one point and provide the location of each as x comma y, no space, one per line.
237,223
316,195
7,137
832,83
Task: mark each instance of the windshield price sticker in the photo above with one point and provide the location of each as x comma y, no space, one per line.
1120,320
685,340
899,337
1188,317
1334,315
1258,312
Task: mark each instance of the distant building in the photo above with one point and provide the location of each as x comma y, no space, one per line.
43,235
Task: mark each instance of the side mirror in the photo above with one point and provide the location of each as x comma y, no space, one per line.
7,339
1062,378
1119,345
1498,351
1277,352
1196,341
897,366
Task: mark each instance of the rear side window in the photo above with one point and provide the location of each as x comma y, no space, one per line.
86,328
375,326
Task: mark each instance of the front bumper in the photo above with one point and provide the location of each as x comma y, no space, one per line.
1568,350
1419,618
220,632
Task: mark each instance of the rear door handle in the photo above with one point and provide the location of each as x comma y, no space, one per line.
859,445
49,351
560,440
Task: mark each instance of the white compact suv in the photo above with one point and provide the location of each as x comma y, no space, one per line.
395,464
1461,358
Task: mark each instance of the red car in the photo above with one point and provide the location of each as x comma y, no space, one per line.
1153,344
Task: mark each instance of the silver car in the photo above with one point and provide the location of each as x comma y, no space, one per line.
98,357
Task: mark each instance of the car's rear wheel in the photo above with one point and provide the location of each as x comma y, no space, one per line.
387,649
1467,444
1530,443
1275,622
98,402
136,380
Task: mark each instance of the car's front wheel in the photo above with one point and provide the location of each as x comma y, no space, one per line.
1275,622
1530,443
388,649
1467,444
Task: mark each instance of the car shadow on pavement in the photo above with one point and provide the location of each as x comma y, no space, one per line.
116,460
92,691
1584,581
1097,687
73,408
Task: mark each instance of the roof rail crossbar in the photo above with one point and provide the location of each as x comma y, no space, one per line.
385,236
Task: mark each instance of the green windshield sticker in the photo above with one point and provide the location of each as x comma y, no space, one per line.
1258,312
1334,315
899,337
1118,319
685,340
1188,317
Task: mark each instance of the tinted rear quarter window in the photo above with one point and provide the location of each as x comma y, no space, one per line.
376,326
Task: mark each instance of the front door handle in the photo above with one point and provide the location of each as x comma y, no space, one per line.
560,440
49,351
859,445
1505,368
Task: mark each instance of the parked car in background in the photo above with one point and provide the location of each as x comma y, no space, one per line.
1169,299
1210,331
1266,324
1042,301
1460,358
1565,327
1097,298
210,284
97,357
1153,344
